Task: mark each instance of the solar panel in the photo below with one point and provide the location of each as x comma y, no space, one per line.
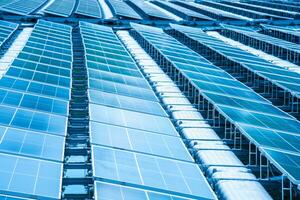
139,141
30,101
291,50
150,172
30,177
126,118
122,10
287,162
282,5
124,115
34,101
242,11
4,2
126,102
111,69
149,10
23,7
263,124
181,11
63,8
32,144
105,191
283,78
89,8
6,30
118,75
122,89
209,11
269,10
286,33
8,197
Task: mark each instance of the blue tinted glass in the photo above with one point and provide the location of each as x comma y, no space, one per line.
22,118
6,114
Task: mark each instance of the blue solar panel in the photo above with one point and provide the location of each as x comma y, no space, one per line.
6,30
185,13
241,11
62,8
150,172
31,144
263,124
287,162
259,8
106,191
126,118
209,11
34,104
283,78
23,7
149,10
139,141
122,10
89,8
125,102
30,177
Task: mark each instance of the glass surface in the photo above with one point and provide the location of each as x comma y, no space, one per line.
124,102
130,119
33,144
107,191
30,176
150,172
140,141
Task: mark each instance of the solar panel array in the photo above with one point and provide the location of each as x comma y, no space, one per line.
272,11
241,11
121,9
283,78
281,6
33,114
288,30
209,11
288,50
6,30
181,11
90,8
23,7
94,128
257,119
62,8
133,141
149,10
4,2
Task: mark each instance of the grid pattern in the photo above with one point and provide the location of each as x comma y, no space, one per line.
249,120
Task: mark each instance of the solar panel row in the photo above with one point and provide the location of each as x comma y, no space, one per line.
290,34
33,119
181,11
263,124
241,11
133,141
272,11
62,8
122,10
209,11
282,6
149,10
4,2
283,78
90,8
23,7
287,50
